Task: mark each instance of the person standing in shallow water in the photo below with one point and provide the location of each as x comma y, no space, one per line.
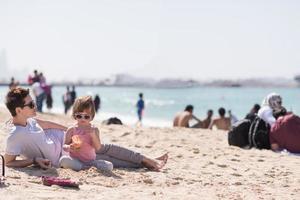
97,102
140,108
67,100
73,95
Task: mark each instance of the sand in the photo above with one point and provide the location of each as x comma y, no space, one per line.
201,165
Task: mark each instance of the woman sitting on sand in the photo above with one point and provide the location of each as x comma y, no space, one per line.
270,105
40,142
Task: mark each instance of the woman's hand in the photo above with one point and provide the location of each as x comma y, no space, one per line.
42,162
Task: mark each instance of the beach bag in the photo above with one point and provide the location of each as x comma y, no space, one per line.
259,134
238,135
113,120
3,170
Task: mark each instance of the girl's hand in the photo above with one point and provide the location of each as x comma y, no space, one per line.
75,147
66,147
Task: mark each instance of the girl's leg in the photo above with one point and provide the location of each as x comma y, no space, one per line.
103,165
70,163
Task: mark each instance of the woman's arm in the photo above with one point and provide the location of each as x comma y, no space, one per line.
95,135
49,125
11,161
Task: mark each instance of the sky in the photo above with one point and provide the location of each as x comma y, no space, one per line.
90,39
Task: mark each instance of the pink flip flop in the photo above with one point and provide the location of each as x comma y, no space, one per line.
59,181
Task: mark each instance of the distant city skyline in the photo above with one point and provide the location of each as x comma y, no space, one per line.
159,39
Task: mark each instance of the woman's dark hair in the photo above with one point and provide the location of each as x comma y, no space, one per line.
15,98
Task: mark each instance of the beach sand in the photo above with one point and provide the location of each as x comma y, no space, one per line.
201,165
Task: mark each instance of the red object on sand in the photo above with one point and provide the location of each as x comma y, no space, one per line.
59,181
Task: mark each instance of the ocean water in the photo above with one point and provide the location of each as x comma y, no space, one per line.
163,104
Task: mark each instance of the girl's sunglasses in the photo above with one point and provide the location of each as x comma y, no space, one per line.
82,116
31,105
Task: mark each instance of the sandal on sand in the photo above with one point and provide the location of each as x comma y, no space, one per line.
3,171
59,181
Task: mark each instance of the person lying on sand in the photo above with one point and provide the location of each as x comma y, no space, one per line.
40,142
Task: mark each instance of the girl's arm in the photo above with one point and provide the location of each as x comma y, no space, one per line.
68,139
95,135
48,125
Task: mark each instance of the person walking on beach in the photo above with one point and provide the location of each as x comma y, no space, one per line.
35,78
73,95
222,122
82,140
67,100
41,142
39,94
13,84
182,119
140,108
97,102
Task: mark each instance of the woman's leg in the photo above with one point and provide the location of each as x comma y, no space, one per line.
120,156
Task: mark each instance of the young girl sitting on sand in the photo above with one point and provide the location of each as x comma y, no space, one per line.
82,140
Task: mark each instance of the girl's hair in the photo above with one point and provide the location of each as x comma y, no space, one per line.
15,98
83,103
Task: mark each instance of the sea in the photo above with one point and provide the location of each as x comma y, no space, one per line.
163,104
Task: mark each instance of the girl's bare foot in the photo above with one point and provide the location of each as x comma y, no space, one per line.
155,164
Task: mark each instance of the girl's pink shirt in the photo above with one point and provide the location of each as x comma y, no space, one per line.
86,152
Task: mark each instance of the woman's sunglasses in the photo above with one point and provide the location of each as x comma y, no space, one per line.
31,105
82,116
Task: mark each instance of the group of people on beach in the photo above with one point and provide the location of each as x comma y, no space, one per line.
283,128
41,90
69,97
182,119
45,143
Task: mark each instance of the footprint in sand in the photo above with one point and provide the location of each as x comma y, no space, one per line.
125,134
236,174
196,151
236,160
179,156
148,181
178,178
222,165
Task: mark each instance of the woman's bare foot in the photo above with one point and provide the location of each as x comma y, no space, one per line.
155,164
